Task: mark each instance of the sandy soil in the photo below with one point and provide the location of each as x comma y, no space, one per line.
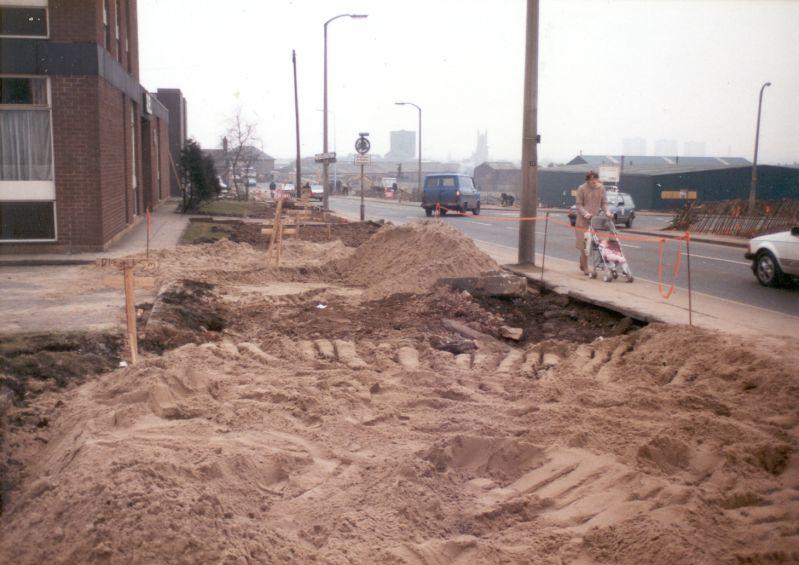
352,436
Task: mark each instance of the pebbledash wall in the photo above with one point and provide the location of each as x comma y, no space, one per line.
69,73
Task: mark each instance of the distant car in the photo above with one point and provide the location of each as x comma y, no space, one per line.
317,192
620,204
287,191
452,192
775,257
251,182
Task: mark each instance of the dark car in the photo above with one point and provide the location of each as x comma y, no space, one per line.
453,192
621,207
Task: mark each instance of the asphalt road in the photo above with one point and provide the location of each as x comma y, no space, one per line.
717,270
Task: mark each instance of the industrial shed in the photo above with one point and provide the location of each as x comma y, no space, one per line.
669,186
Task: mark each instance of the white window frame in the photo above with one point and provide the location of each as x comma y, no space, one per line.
32,190
28,4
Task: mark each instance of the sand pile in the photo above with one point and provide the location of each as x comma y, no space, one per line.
345,434
410,258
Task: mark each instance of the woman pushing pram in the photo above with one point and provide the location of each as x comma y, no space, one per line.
604,249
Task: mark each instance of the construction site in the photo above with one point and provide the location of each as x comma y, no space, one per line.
347,393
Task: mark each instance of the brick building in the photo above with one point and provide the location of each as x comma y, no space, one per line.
83,146
175,103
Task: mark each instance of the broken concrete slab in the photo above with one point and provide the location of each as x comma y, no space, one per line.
499,284
509,332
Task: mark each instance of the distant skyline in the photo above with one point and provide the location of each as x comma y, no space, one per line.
608,70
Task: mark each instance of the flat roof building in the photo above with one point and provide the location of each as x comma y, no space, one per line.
83,146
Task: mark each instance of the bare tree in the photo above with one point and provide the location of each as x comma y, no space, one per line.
242,134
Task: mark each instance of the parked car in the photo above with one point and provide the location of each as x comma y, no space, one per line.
775,257
317,192
620,204
251,182
453,192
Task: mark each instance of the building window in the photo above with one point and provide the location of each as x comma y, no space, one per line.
23,22
106,27
116,30
127,34
27,221
27,190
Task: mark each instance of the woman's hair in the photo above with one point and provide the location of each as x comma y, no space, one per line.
591,175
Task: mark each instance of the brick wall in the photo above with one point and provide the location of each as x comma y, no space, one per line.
113,179
77,160
76,20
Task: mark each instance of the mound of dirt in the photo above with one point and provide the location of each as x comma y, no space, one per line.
410,259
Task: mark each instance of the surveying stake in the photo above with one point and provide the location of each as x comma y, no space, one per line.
129,283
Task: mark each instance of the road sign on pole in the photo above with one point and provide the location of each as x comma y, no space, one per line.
363,159
329,157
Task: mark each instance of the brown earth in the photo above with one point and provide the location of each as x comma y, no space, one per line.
322,424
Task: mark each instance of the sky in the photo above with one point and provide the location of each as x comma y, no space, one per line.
687,70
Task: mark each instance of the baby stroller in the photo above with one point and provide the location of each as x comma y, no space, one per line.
606,254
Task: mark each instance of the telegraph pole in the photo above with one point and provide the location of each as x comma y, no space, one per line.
529,204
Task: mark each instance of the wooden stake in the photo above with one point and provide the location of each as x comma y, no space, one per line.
130,314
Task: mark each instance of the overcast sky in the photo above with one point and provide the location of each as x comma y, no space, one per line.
658,69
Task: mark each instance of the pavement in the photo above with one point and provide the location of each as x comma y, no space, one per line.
166,227
725,294
61,293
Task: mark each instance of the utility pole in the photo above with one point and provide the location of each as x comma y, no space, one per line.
529,204
296,120
753,186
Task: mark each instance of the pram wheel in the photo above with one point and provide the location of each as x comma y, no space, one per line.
592,274
607,278
629,278
615,274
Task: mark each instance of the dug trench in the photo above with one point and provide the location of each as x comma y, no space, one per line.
346,407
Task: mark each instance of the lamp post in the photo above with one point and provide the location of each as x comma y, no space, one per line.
753,187
419,173
326,163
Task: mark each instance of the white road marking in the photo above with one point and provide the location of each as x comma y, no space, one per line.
718,259
481,223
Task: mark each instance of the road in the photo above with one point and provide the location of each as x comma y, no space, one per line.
716,270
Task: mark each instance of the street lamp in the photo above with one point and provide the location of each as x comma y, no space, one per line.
753,187
326,163
419,179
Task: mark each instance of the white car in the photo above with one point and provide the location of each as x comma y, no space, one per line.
775,257
317,192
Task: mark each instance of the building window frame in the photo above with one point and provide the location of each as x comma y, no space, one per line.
43,190
43,4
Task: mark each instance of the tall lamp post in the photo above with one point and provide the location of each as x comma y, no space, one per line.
326,163
753,187
419,173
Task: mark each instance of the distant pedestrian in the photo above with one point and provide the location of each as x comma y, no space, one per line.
272,189
591,198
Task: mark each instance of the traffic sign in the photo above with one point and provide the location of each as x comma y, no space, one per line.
363,159
329,157
362,145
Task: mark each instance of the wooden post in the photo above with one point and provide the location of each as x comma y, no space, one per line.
130,314
147,252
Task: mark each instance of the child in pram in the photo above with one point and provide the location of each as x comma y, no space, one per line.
613,255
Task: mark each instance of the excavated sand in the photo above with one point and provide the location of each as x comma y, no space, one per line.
410,258
666,445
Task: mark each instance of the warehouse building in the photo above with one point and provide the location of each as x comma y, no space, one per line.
669,186
83,146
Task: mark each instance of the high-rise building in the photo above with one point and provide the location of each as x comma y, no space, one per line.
694,149
633,146
84,145
666,148
403,146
